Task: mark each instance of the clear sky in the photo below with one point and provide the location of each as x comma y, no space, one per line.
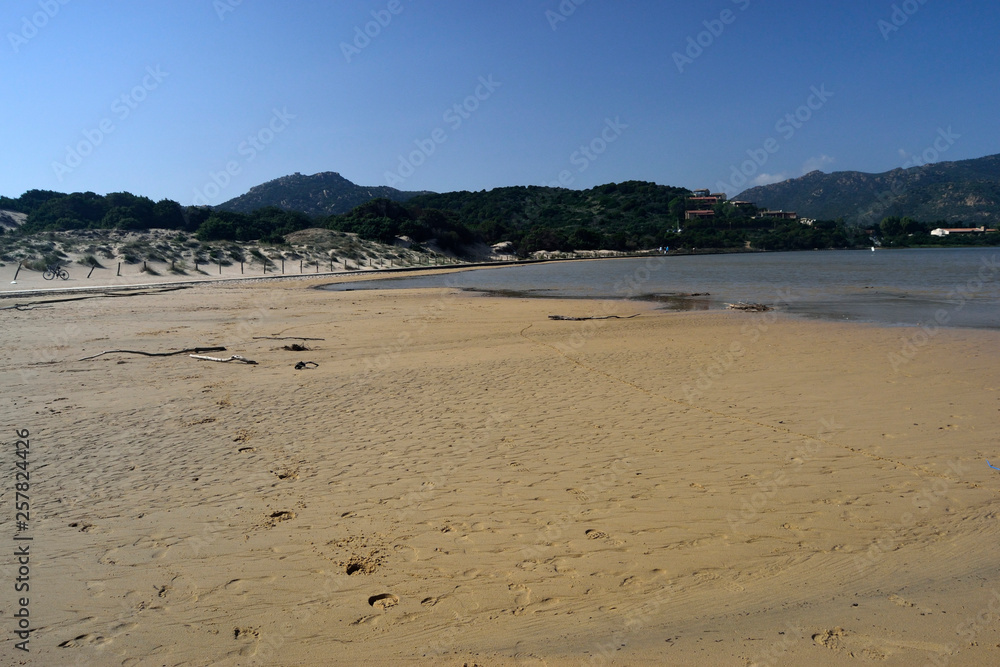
189,99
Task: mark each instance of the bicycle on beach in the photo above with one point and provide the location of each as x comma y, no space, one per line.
55,271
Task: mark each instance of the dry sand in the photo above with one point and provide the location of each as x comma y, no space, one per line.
464,481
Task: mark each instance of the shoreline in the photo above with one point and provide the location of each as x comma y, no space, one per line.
674,301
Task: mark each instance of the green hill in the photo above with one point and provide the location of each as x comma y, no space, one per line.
326,193
965,192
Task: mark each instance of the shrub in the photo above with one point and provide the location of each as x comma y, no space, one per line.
90,260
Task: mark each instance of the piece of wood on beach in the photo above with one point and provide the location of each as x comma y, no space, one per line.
235,357
285,338
31,305
750,307
580,319
158,354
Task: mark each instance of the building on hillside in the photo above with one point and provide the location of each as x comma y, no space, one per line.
947,231
705,201
780,215
699,215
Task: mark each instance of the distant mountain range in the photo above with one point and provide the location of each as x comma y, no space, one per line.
967,191
323,194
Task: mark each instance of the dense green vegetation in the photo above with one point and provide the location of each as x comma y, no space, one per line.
383,220
319,195
897,232
623,216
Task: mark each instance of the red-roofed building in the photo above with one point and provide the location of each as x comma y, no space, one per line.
946,231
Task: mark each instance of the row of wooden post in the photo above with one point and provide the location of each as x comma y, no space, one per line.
301,266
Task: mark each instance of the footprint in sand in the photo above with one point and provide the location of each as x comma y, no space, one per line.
541,606
85,640
601,535
243,586
831,639
522,594
277,517
871,648
383,601
250,638
364,564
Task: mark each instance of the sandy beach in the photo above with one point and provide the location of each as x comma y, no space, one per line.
462,481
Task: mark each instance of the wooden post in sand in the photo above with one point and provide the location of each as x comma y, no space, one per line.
300,266
91,271
119,268
282,266
241,267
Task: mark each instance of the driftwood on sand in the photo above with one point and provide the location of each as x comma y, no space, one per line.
750,307
31,305
158,354
580,319
235,357
285,338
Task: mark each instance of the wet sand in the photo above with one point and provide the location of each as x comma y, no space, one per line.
464,481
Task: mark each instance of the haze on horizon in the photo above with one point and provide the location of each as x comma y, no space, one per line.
208,98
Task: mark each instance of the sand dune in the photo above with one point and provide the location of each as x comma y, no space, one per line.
464,481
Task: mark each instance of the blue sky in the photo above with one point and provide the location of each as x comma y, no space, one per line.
199,100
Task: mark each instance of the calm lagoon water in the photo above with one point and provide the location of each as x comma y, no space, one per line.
961,286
